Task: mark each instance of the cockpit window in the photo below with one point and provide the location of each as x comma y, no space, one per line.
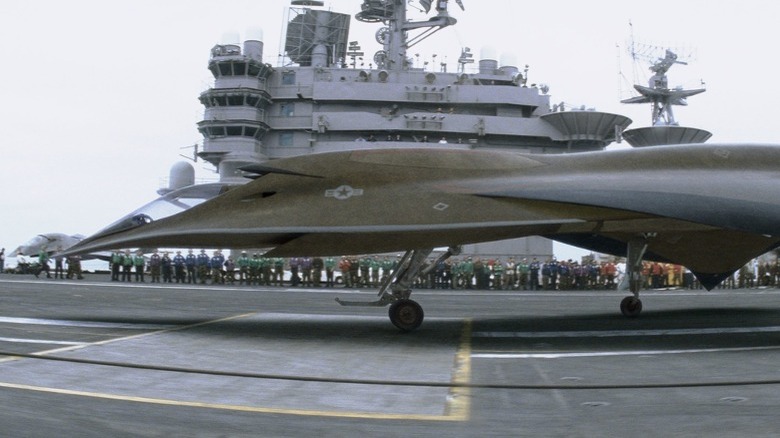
127,223
168,205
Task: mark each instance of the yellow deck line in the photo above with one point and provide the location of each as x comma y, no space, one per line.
241,408
459,406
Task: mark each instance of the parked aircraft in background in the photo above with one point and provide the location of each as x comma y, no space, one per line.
49,242
708,207
53,243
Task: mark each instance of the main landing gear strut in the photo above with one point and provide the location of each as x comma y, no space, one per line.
406,314
631,306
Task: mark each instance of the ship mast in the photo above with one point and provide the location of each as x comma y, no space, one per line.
394,36
664,129
660,95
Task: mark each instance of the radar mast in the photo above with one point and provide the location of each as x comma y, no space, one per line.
660,95
664,129
394,35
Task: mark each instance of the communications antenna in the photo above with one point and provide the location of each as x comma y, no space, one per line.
658,60
664,129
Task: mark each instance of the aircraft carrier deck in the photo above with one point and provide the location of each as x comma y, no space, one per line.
96,358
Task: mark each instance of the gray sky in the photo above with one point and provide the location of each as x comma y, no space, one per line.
99,96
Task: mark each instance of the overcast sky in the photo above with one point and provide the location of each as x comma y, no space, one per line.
100,96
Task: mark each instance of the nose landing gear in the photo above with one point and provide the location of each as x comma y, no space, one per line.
632,306
404,313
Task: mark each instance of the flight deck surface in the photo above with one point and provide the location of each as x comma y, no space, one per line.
96,358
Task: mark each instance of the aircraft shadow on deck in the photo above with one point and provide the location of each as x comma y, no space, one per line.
368,329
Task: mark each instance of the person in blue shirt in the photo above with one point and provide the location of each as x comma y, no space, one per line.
533,274
217,260
191,262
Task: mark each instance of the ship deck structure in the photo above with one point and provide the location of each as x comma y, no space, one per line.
319,99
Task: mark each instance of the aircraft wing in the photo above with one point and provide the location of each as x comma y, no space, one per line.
711,217
709,207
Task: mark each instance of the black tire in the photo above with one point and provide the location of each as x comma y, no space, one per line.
631,307
407,315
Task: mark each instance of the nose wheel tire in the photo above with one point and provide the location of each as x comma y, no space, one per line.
407,315
631,306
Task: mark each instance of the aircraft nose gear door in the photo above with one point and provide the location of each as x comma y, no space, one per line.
632,306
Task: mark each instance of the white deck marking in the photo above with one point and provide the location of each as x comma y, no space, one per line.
567,355
628,333
39,341
75,323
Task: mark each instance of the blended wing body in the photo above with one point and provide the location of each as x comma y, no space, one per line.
708,207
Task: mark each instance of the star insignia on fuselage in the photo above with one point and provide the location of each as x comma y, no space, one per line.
343,192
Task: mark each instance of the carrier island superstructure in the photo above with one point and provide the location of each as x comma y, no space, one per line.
321,99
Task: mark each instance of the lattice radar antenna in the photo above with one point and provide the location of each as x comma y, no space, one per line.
651,59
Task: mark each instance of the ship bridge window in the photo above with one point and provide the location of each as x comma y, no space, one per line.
233,130
288,78
221,100
287,109
285,139
232,68
214,131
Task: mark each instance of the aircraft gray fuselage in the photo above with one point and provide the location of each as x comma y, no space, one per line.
710,207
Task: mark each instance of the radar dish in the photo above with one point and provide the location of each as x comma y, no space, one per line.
382,35
375,11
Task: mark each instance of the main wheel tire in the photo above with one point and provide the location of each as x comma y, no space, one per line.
407,315
631,306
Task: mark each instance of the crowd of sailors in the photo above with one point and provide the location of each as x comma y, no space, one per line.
372,270
454,273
